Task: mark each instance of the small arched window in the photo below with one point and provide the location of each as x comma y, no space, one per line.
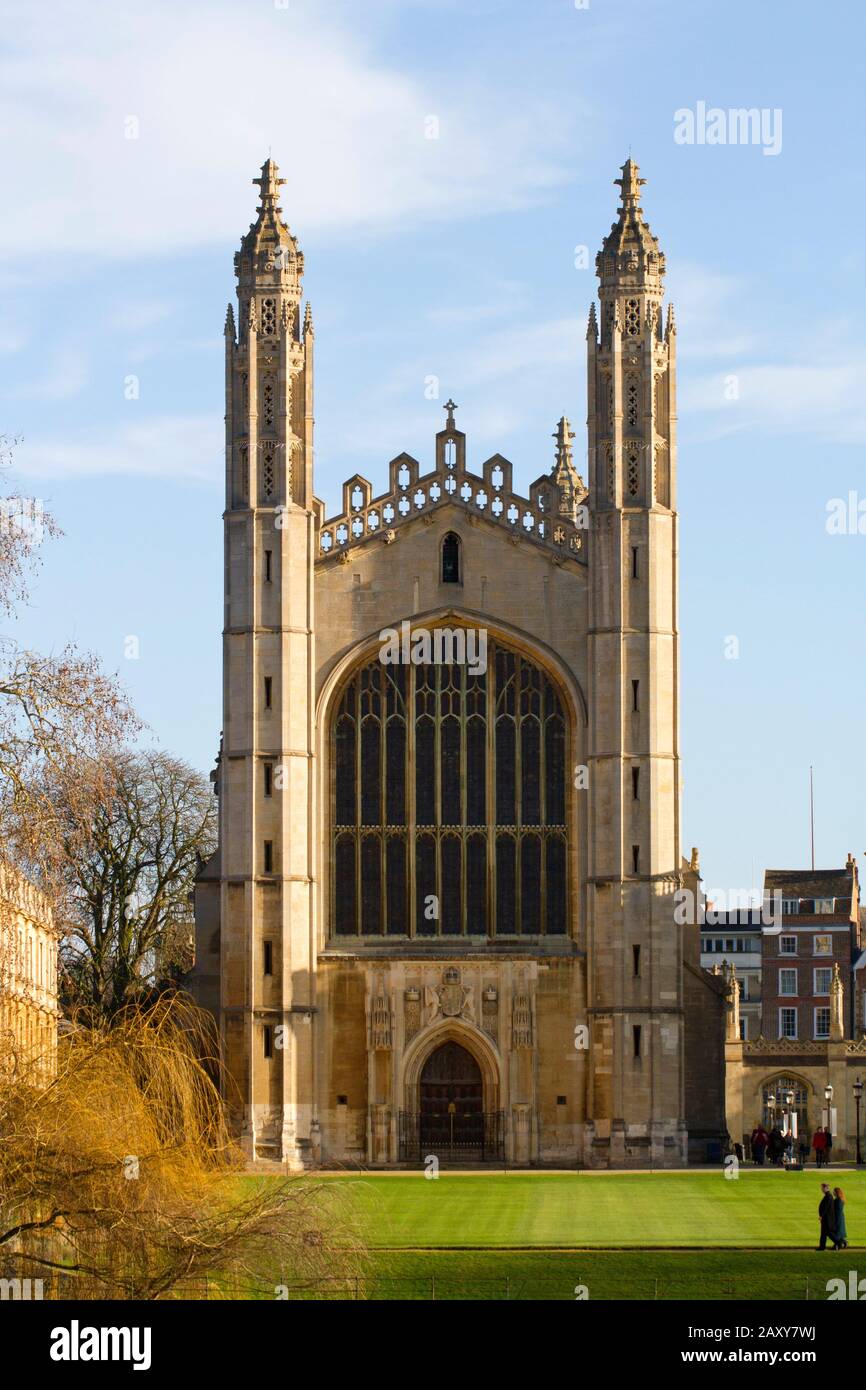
451,559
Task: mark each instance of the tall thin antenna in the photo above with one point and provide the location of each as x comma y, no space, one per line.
812,812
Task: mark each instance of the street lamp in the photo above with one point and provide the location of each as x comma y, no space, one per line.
828,1096
858,1092
789,1097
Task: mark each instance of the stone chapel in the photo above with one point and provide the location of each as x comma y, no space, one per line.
440,920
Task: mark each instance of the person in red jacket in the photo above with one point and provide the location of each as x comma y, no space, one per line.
760,1140
819,1144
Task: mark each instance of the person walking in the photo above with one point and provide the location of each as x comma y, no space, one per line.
788,1140
818,1144
828,1144
826,1216
759,1140
840,1230
804,1150
776,1146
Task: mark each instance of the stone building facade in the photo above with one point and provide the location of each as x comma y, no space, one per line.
820,935
29,1009
813,1035
735,938
441,917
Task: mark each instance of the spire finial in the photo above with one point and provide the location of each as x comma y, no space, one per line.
631,184
630,254
269,184
564,473
450,407
563,434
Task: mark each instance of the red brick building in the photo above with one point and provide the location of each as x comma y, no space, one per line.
820,915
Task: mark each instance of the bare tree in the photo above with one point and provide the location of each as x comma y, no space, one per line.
59,717
129,877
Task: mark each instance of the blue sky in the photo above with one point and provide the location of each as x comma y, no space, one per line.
452,257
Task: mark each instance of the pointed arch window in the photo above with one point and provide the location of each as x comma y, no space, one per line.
448,802
451,560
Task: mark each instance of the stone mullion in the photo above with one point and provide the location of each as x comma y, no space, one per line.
437,790
409,773
359,731
464,799
383,802
491,712
545,831
518,796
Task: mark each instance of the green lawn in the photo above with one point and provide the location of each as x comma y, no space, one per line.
593,1211
612,1274
689,1236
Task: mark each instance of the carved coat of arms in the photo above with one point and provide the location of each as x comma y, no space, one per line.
451,999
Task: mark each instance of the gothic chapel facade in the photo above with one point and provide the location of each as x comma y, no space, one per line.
441,916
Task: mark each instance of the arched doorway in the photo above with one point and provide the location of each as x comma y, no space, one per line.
451,1102
776,1106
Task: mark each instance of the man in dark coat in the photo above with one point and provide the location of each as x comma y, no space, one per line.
826,1215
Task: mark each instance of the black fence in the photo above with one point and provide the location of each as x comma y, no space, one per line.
467,1139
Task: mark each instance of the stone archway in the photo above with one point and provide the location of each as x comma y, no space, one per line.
779,1086
451,1100
451,1064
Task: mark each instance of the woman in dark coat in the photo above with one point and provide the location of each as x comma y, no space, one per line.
840,1230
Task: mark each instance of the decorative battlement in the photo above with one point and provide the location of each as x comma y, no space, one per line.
554,515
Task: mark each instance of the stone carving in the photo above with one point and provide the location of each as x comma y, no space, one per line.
411,493
411,1012
380,1022
732,1003
451,999
521,1021
490,1012
786,1045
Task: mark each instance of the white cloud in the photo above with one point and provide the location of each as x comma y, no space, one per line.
710,306
12,337
808,388
826,399
134,315
168,447
212,86
67,375
531,349
506,300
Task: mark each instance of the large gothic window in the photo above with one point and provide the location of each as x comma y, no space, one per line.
448,802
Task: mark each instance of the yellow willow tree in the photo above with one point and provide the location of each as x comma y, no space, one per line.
118,1178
